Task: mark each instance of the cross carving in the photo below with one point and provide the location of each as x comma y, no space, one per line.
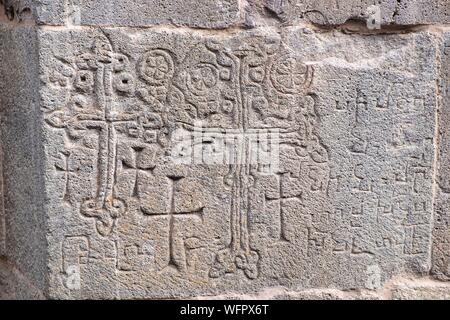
172,213
101,118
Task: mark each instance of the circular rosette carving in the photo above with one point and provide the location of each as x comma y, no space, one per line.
120,62
124,83
289,75
105,215
84,81
156,67
202,78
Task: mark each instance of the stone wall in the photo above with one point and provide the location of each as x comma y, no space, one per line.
282,149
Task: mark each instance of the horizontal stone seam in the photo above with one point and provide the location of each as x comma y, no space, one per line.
384,293
225,32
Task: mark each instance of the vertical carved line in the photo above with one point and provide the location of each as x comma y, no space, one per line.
436,161
172,211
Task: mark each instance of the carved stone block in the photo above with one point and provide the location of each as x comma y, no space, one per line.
336,12
22,151
219,14
2,211
132,13
441,245
124,208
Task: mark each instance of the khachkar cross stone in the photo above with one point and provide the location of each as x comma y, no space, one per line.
351,187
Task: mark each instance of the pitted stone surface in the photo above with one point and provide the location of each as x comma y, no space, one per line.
441,232
336,12
2,196
193,13
14,286
421,292
22,154
224,13
353,190
2,209
99,194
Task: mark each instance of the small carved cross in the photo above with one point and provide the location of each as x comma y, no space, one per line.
173,214
65,168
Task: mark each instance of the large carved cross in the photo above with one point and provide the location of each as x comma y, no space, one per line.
247,70
101,117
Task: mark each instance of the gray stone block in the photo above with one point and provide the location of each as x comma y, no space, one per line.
421,292
2,209
15,286
22,152
441,231
117,209
143,160
225,13
336,12
132,13
2,212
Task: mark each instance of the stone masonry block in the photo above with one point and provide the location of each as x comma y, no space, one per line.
441,231
218,14
436,292
336,12
23,218
192,13
118,204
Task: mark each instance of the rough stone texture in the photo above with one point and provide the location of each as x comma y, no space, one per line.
441,232
400,288
15,286
193,13
223,13
2,208
23,179
311,294
424,291
97,203
336,12
353,191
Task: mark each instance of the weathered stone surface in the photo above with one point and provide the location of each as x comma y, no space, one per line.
353,189
400,12
398,289
128,165
14,285
22,153
441,232
310,294
421,292
193,13
225,13
2,209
